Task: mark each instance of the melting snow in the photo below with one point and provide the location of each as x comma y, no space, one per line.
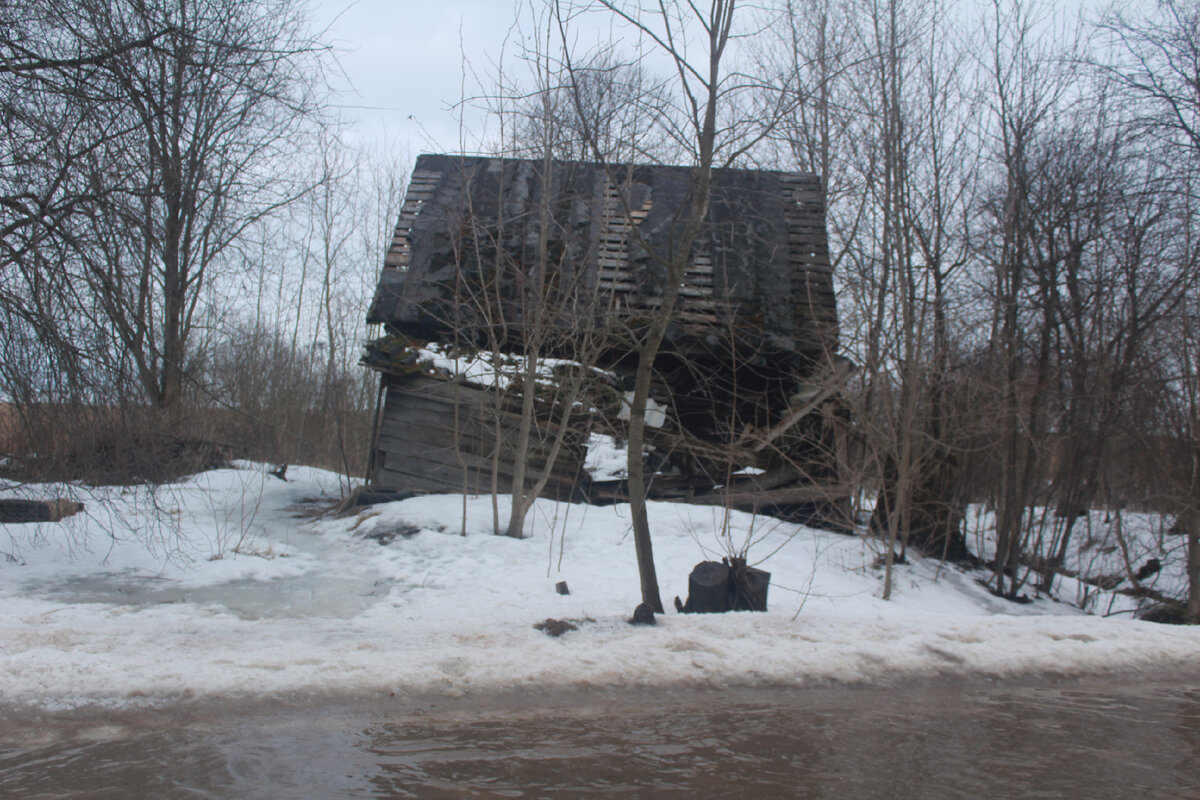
226,583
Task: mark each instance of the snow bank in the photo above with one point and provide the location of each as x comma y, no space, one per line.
226,583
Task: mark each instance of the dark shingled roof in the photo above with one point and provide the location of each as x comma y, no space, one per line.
761,260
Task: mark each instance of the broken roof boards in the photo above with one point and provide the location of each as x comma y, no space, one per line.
755,318
762,258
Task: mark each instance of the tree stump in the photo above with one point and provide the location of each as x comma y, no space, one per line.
715,587
708,589
748,586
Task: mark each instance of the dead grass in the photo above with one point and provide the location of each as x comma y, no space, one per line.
125,445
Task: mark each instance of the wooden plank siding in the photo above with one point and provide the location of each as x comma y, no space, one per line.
436,435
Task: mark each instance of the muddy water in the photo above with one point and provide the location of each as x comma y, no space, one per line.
1112,739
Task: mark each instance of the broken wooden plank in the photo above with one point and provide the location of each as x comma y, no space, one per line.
835,382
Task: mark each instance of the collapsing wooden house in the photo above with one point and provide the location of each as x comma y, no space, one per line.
495,258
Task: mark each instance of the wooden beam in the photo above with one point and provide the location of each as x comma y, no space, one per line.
786,495
841,374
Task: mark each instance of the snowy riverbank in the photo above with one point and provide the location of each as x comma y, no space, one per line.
225,584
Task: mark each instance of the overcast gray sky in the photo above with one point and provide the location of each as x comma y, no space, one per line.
405,62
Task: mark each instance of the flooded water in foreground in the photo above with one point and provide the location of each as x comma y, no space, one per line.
1090,740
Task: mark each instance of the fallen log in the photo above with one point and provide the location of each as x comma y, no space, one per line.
38,510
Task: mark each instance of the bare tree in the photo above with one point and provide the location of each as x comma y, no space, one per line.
53,116
705,120
214,117
886,116
1185,342
1026,89
1155,60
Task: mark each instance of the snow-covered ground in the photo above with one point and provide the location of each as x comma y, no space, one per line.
1104,548
227,583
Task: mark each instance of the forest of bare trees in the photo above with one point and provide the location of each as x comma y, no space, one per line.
1011,197
189,246
182,232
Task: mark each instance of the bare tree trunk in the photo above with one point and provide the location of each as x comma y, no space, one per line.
701,87
1191,526
636,465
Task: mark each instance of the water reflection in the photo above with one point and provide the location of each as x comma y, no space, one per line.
931,741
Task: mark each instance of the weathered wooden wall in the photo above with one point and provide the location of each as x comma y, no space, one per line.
436,435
